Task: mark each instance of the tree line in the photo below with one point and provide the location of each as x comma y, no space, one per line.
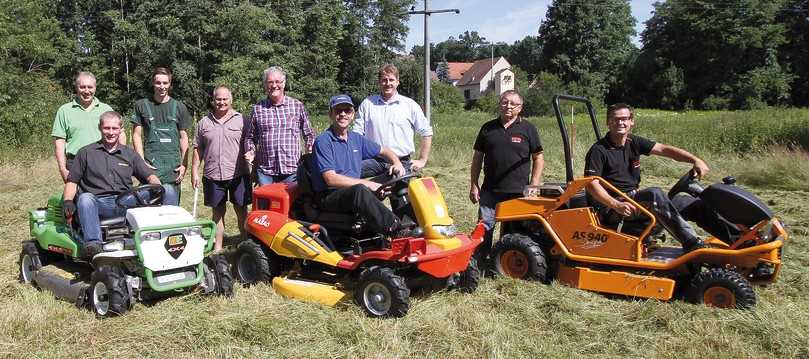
701,54
325,46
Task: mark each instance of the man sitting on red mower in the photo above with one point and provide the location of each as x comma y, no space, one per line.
338,155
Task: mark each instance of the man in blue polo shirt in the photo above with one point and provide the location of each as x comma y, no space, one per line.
338,156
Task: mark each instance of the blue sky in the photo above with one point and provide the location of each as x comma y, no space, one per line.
499,20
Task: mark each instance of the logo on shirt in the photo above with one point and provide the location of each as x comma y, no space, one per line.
636,164
516,139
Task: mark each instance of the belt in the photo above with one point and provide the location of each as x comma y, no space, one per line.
70,156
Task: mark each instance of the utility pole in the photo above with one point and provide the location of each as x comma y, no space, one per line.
427,12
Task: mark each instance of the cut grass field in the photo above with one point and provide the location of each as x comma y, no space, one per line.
503,319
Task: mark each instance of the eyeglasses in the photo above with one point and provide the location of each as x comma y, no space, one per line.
338,111
620,119
510,104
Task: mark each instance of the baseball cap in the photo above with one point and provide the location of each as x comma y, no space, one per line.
339,100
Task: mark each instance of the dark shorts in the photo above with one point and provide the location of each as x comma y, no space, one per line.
238,190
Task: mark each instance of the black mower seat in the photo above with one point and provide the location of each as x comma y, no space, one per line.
342,221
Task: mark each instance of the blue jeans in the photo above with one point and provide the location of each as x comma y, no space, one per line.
376,166
488,204
91,210
172,194
265,179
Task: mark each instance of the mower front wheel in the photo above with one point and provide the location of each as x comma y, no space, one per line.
722,288
469,279
108,292
518,256
218,278
30,261
253,265
382,293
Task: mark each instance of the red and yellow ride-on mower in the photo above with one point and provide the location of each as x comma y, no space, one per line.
326,257
555,233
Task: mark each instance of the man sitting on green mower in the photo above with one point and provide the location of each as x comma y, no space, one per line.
102,170
616,158
336,170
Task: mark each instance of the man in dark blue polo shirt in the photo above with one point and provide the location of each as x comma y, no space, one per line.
102,170
338,156
616,158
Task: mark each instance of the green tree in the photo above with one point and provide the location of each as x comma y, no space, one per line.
34,50
442,71
794,52
586,43
716,45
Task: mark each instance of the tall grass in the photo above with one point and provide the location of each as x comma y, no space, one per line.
503,319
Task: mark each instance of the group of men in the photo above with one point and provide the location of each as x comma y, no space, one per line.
362,147
96,165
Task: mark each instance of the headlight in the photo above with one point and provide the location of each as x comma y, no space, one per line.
150,236
446,231
195,231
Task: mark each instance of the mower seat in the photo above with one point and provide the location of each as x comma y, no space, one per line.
340,221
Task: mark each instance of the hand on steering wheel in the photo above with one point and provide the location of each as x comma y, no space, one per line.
683,184
385,188
155,192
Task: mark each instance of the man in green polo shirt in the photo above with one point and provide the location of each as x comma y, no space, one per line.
76,122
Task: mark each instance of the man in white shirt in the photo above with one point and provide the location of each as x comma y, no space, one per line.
391,120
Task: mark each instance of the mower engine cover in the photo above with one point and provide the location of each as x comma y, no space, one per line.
735,204
157,216
175,242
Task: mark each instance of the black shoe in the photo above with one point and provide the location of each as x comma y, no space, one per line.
90,249
402,233
692,246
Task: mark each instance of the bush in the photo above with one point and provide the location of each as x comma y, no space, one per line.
445,98
487,103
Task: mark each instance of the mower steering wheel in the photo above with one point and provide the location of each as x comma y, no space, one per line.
682,185
155,192
385,188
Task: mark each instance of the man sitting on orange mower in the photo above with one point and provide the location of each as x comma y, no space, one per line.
616,158
336,170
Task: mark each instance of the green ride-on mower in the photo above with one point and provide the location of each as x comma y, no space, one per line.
153,251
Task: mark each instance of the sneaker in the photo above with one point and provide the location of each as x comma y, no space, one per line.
90,249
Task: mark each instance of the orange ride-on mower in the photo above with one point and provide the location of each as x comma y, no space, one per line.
556,234
326,257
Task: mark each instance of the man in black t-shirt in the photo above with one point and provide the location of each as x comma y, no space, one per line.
101,170
504,147
616,158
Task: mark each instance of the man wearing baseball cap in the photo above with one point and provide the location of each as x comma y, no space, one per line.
337,165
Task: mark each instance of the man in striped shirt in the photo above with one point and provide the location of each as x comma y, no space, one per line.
275,127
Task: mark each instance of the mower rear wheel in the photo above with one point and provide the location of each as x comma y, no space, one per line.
253,265
518,256
722,288
30,261
382,293
217,275
108,292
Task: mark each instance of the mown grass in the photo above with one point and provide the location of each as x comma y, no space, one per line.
503,319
